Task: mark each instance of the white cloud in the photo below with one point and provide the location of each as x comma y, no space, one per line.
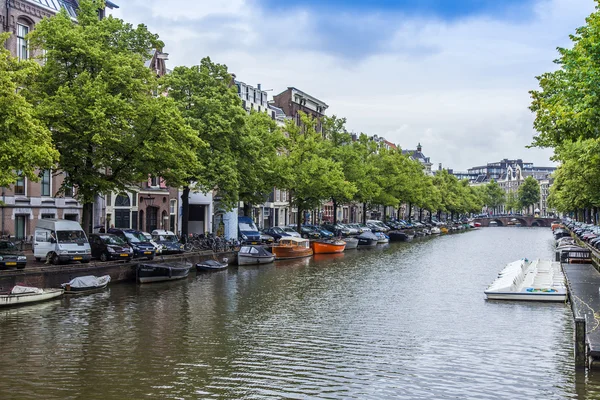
460,88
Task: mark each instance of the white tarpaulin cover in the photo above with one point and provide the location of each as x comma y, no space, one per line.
88,281
25,289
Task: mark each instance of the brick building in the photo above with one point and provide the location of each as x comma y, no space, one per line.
293,100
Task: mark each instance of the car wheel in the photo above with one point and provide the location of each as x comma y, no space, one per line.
55,259
103,257
38,259
85,261
20,267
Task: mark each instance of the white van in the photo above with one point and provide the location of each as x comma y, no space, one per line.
60,240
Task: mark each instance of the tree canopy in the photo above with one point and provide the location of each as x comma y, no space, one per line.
25,142
529,192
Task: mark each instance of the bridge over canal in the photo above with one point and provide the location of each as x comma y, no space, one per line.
512,219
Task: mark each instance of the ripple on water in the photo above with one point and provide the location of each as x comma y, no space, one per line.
400,321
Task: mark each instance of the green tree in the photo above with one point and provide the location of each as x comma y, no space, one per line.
96,96
209,103
529,192
259,164
368,188
312,175
494,196
512,202
25,142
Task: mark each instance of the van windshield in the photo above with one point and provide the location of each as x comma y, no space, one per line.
244,226
135,237
71,237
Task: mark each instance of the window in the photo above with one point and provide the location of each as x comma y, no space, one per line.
173,207
68,187
109,199
20,222
47,216
46,182
122,200
134,220
20,184
22,46
154,181
133,199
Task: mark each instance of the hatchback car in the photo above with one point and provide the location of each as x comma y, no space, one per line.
106,246
140,245
276,232
168,241
10,256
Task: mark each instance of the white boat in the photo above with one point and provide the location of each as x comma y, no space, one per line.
351,243
254,255
25,294
435,230
537,280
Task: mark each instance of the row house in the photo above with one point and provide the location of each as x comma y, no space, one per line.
27,201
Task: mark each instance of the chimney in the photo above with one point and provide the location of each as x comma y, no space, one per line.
258,87
419,147
439,166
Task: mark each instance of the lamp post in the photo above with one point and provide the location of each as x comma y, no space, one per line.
148,201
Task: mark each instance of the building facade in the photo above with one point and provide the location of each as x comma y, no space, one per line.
293,101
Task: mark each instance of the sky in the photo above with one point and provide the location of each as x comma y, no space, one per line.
452,75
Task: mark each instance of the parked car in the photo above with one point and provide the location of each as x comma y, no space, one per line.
277,232
157,248
106,246
247,231
291,231
309,232
266,238
168,241
338,229
60,240
10,256
137,241
323,233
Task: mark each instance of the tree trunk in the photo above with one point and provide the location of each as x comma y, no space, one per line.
299,219
86,218
334,211
185,211
409,213
247,209
439,216
384,213
420,214
398,213
364,216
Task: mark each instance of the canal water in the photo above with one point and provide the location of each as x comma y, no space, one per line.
402,321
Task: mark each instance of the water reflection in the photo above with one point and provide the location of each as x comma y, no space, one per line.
404,320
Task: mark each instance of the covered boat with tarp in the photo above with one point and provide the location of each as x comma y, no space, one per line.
27,294
249,255
367,239
147,273
211,265
86,284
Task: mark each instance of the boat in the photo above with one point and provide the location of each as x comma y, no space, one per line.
476,224
86,284
26,294
351,243
292,247
367,239
537,280
382,238
254,255
211,265
444,229
399,236
493,223
147,273
434,231
328,246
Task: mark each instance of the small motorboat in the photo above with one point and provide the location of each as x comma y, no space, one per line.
536,280
86,284
328,246
290,247
351,243
249,255
493,223
147,273
26,294
434,231
399,236
211,265
367,239
382,238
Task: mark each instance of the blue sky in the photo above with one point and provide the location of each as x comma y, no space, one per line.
452,75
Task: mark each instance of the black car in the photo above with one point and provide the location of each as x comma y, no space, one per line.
276,232
308,232
106,246
10,256
137,241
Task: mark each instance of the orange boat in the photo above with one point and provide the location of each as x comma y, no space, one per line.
328,246
291,247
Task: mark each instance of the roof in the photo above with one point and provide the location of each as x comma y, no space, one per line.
305,94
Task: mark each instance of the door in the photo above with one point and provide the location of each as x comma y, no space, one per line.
151,218
122,218
41,243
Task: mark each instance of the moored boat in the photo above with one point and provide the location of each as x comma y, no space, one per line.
382,238
537,280
292,247
367,239
86,284
25,294
254,255
444,229
351,243
211,265
147,273
328,246
434,231
399,236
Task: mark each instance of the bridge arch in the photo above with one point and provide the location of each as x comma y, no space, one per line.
539,222
498,221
